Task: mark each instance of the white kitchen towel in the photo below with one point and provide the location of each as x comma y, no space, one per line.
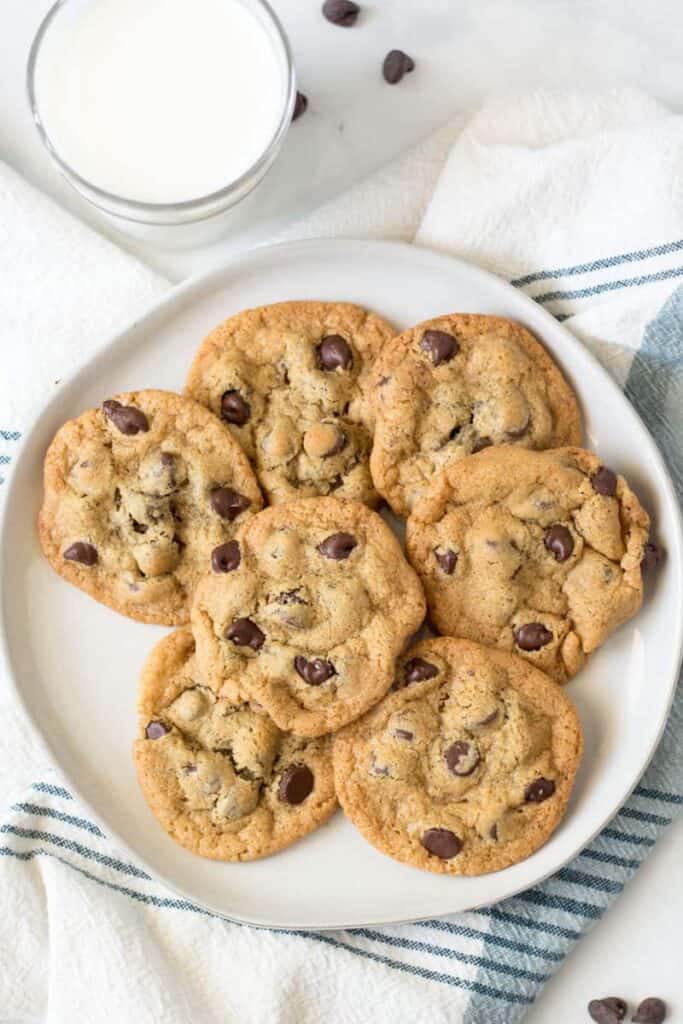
577,200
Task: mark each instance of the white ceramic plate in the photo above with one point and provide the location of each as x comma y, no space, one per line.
75,664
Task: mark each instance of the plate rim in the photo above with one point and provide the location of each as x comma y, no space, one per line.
172,302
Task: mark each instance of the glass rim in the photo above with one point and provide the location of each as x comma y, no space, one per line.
108,201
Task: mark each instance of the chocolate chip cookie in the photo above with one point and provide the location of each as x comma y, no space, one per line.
138,494
455,385
308,613
468,767
535,552
293,383
220,776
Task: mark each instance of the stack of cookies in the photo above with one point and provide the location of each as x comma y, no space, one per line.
288,686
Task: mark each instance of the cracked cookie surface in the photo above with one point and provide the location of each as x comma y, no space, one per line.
219,776
534,552
138,494
454,385
293,383
309,620
468,767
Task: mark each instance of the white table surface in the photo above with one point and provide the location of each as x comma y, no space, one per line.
465,50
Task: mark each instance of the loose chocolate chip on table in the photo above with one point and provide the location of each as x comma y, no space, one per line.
652,556
539,790
447,561
440,346
296,782
234,408
396,65
341,12
125,418
604,482
81,552
245,633
338,546
650,1011
228,504
462,758
300,105
315,671
334,353
441,842
559,540
403,734
418,669
610,1010
226,557
532,636
155,730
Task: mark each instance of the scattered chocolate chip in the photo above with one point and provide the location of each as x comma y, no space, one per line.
234,408
418,669
454,433
652,556
396,65
610,1010
383,381
447,561
296,782
334,353
337,446
315,671
125,418
403,734
604,482
559,540
462,758
487,720
189,769
493,833
81,552
245,633
532,636
300,105
228,504
341,12
155,730
441,842
139,527
480,443
226,557
539,790
338,546
650,1011
440,346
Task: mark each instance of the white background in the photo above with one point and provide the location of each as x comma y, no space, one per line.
465,50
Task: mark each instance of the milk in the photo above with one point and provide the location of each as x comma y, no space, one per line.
160,101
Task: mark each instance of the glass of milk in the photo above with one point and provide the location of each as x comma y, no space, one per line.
161,112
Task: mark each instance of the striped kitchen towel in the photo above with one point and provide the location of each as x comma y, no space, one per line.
545,191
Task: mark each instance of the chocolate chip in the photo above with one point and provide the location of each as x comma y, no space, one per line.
300,105
338,546
418,669
228,504
487,720
440,346
403,734
125,418
337,446
442,843
650,1011
610,1010
341,12
234,408
245,633
604,482
447,561
315,671
189,769
480,443
226,557
334,353
139,527
532,636
462,758
493,833
539,790
155,730
81,552
396,65
559,540
296,782
652,556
